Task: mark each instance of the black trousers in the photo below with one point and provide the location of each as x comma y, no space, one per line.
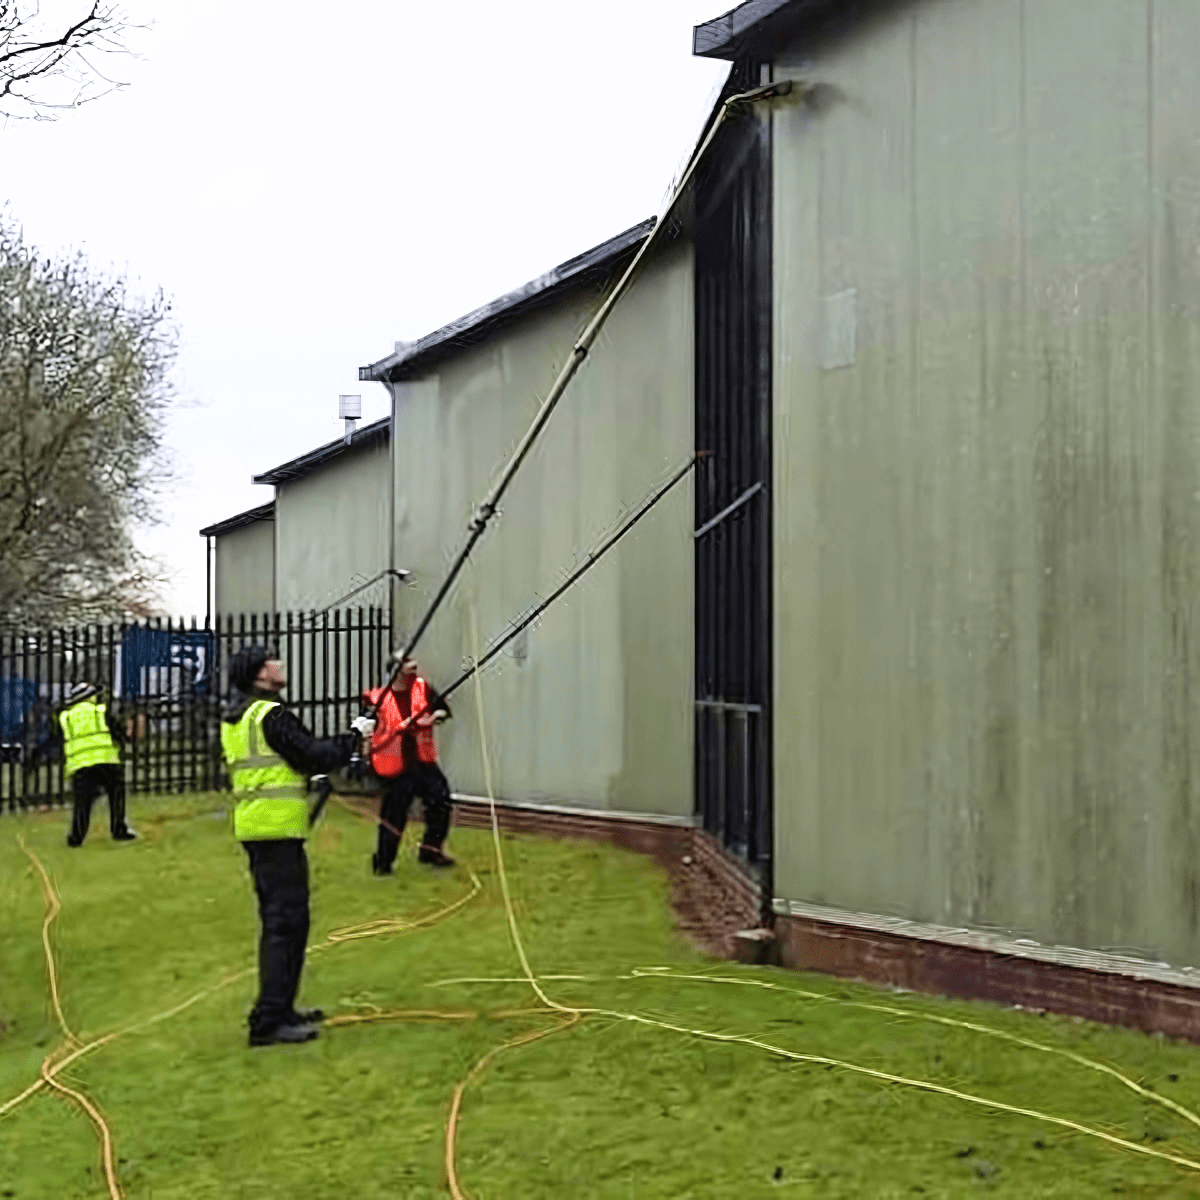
421,779
280,872
87,784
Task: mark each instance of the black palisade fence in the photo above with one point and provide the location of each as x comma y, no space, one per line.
167,680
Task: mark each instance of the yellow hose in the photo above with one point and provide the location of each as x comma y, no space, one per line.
708,1035
53,908
575,1015
50,1068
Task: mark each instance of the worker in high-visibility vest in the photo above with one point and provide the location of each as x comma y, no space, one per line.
92,761
404,756
270,757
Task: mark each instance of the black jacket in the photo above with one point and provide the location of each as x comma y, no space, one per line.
290,740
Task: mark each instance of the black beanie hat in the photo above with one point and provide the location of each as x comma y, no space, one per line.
245,665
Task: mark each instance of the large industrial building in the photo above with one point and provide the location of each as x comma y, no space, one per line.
928,680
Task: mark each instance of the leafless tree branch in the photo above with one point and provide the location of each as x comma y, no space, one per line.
47,61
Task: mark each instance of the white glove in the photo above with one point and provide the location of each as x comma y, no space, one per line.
363,726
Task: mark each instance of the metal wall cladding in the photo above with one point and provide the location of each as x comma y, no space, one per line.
332,531
988,521
598,711
244,567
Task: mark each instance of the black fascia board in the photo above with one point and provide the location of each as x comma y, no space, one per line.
416,358
757,27
264,512
369,435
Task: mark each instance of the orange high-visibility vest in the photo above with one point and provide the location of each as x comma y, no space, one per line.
387,742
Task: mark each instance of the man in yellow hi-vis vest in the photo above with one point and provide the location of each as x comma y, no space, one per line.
270,757
92,762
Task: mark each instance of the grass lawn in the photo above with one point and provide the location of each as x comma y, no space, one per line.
606,1109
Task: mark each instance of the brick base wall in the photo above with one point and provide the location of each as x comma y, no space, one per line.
713,898
973,974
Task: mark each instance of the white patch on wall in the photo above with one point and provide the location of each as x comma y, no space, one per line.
840,333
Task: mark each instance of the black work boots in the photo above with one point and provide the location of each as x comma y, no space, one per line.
306,1016
434,856
283,1035
431,856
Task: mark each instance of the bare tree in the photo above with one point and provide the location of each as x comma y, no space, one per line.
48,63
84,394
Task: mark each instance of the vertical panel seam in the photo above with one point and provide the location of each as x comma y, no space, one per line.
1151,351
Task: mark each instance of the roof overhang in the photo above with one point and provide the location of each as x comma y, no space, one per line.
756,28
412,360
264,512
377,433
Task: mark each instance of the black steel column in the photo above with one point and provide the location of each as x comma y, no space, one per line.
733,420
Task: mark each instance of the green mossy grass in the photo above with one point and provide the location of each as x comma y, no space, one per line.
607,1109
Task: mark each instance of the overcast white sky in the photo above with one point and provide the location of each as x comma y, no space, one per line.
311,183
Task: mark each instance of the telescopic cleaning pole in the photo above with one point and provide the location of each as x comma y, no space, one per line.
486,510
590,560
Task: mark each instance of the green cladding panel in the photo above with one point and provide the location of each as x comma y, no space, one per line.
333,529
245,569
593,705
987,453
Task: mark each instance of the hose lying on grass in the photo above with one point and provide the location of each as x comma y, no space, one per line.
53,908
577,1014
52,1065
669,973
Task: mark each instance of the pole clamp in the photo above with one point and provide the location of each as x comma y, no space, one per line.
483,514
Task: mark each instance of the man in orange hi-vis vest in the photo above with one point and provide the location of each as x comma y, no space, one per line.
404,756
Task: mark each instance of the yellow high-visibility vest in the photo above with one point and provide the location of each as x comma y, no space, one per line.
269,794
86,739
